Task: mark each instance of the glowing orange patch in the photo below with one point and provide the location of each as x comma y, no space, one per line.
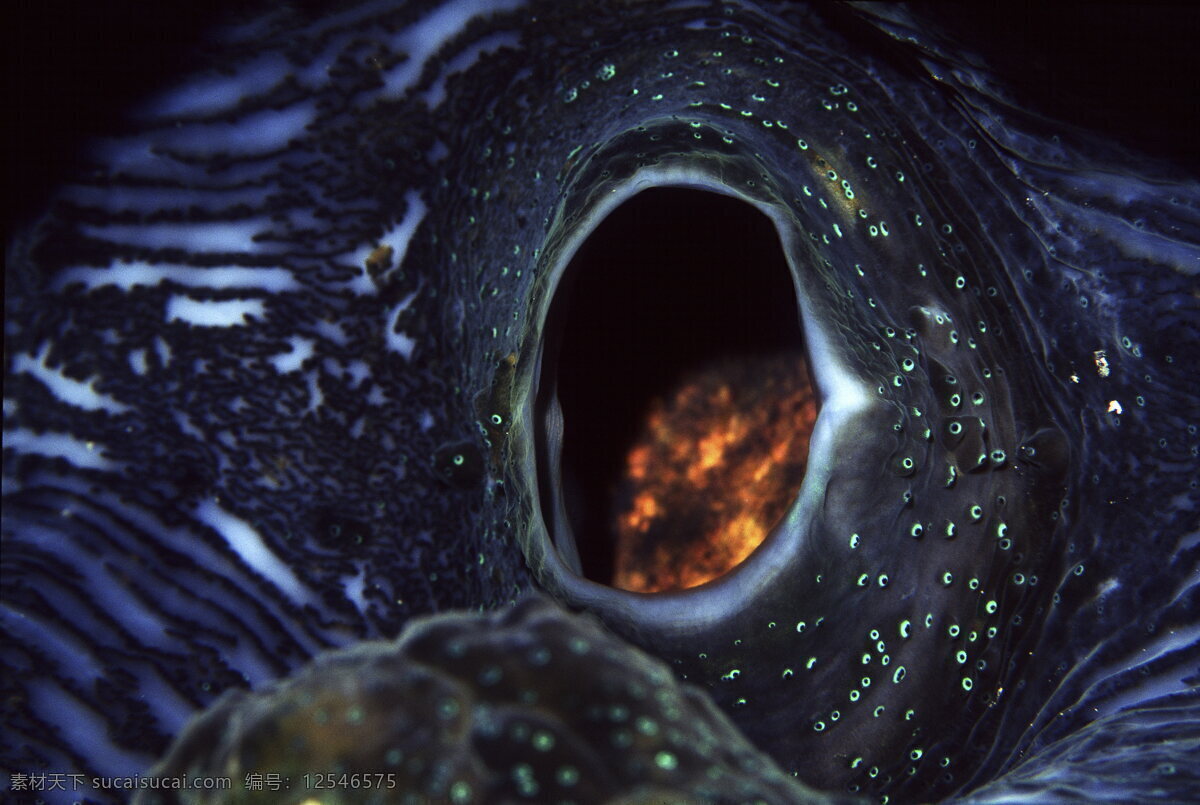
713,471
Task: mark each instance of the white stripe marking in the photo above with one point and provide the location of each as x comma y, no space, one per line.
425,38
467,59
130,275
213,94
226,236
398,238
87,455
400,342
302,350
226,313
247,543
73,392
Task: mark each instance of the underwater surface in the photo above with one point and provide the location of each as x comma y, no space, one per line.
641,401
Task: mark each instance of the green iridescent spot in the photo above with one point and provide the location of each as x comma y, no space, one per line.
522,775
460,792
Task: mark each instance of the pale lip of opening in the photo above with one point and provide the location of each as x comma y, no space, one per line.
838,395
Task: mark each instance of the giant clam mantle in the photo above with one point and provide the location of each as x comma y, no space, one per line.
395,310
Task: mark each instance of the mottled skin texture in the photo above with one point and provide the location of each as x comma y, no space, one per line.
834,662
132,598
528,704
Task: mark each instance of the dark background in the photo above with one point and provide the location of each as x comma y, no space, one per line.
1131,71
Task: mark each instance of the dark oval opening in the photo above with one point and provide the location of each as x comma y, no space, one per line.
675,348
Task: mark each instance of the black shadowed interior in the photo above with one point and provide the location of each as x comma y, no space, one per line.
673,280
